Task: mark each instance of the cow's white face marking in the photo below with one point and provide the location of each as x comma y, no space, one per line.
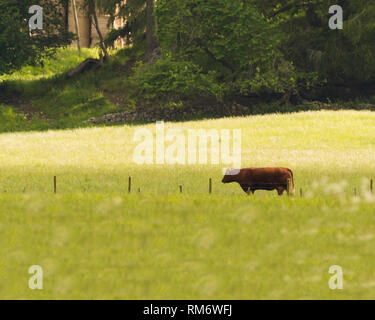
231,172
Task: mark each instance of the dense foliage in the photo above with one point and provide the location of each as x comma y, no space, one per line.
216,49
231,38
337,56
21,46
255,47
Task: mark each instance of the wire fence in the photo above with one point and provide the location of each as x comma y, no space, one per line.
289,187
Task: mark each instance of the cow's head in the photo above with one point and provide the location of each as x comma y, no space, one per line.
230,175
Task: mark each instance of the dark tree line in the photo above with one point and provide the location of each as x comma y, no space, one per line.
219,48
254,47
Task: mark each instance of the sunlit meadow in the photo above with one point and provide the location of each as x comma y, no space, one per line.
94,240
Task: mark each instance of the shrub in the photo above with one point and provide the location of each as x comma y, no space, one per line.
11,121
181,79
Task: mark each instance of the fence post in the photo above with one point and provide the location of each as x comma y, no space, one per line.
210,186
355,192
372,186
180,188
130,185
301,192
55,184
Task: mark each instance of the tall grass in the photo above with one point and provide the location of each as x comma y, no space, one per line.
94,240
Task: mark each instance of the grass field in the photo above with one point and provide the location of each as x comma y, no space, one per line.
93,240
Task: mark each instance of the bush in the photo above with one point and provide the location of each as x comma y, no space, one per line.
11,121
179,79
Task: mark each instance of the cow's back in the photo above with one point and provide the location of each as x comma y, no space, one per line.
265,176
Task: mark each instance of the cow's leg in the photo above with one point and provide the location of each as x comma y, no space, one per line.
245,188
280,191
253,191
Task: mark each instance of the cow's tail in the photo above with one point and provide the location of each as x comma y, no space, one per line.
293,189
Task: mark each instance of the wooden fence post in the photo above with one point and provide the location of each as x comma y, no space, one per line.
180,188
372,186
301,192
210,186
130,185
55,184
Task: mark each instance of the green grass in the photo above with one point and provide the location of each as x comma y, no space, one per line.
64,60
94,240
64,102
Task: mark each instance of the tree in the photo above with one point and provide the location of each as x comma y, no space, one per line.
151,40
74,9
91,4
231,38
337,56
21,46
140,23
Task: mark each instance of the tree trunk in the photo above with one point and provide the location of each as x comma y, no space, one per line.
96,25
74,7
151,41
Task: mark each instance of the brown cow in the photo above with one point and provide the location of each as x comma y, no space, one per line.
253,179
